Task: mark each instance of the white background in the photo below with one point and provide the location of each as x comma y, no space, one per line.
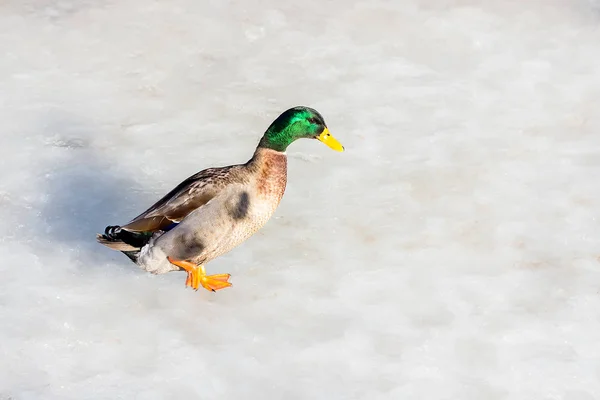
452,252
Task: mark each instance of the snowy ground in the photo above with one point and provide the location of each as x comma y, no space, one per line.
452,252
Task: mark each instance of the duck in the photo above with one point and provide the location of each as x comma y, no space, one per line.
216,209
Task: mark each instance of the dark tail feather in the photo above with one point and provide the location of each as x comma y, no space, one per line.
129,243
133,255
134,239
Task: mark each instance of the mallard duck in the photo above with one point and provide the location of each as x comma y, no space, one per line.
216,209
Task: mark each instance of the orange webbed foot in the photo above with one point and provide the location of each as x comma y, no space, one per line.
215,282
197,276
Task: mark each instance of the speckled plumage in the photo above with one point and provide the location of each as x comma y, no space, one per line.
243,204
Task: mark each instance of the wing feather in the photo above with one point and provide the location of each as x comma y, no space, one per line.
189,195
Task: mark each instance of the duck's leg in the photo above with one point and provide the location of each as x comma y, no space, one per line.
197,276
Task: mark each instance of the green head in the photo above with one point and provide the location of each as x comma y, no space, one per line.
297,123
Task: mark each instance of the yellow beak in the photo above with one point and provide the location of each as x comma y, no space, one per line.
330,141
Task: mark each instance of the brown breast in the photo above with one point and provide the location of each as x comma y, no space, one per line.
271,173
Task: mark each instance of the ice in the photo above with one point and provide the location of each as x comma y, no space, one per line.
452,252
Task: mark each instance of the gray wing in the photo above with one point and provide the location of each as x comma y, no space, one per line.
189,195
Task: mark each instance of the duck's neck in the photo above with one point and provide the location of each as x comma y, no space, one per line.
270,169
265,158
278,138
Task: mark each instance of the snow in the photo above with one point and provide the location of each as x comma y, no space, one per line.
450,253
